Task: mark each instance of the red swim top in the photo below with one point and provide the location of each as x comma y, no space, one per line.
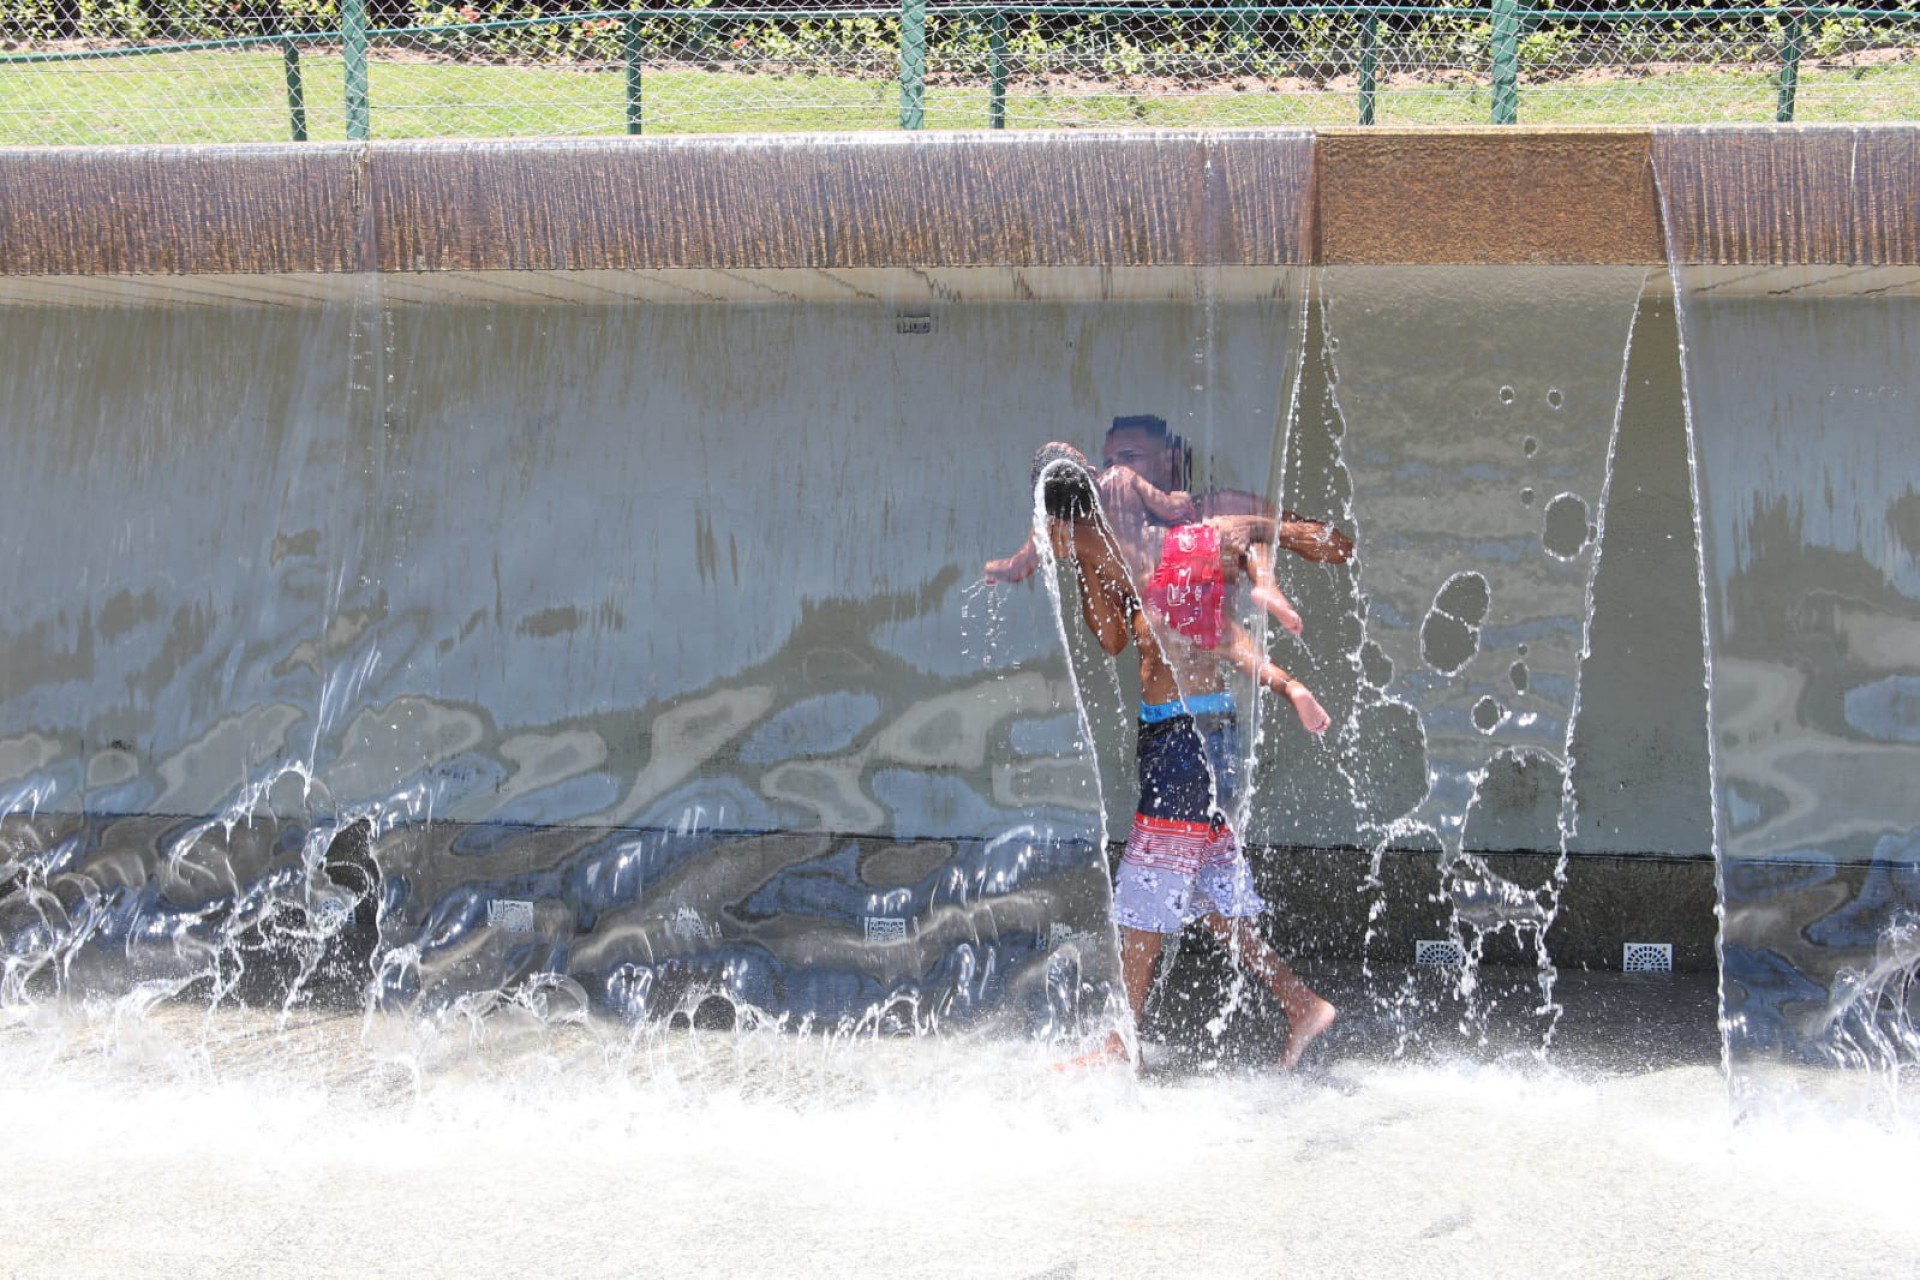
1188,589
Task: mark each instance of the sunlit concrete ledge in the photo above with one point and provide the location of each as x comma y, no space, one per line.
1790,195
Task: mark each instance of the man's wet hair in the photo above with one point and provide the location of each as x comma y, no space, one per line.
1066,482
1151,423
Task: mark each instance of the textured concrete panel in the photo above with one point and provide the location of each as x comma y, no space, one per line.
872,201
1492,196
260,210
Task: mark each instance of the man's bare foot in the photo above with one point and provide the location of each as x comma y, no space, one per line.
1312,715
1277,604
1304,1032
1112,1052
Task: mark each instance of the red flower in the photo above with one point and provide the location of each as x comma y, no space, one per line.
468,13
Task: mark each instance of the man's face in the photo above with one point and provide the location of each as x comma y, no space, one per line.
1134,447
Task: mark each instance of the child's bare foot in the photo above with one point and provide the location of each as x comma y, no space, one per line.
1112,1052
1304,1032
1312,715
1274,602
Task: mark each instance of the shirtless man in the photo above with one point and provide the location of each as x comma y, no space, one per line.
1182,861
1142,464
1185,582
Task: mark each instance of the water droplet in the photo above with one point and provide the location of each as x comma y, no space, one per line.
1526,497
1521,650
1518,674
1530,446
1554,398
1506,395
1333,344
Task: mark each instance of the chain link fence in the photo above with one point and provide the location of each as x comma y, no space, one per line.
116,71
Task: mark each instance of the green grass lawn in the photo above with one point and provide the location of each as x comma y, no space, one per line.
242,97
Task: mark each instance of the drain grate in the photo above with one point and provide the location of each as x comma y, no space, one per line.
1647,957
512,915
886,928
1442,952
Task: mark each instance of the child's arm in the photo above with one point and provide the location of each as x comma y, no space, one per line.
1107,603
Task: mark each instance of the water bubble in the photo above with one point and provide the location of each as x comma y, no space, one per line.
1446,643
1376,668
1488,715
1465,596
1518,674
1554,398
1506,395
1521,650
1526,497
1530,446
1565,534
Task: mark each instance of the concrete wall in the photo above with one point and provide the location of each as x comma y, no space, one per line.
638,487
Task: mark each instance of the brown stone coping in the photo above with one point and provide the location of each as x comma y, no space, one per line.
1761,195
1487,196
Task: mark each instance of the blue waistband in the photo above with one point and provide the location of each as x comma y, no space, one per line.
1200,704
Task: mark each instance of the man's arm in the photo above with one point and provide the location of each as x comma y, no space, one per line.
1313,540
1122,489
1017,567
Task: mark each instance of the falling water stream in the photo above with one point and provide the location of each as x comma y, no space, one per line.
520,771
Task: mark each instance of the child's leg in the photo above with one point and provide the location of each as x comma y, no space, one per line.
1246,550
1238,648
1266,591
1308,1015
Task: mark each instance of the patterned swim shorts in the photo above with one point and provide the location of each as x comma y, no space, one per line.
1174,872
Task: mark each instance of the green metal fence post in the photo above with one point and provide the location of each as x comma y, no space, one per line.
1790,47
1506,61
1369,63
913,64
1245,27
997,71
353,52
630,50
296,91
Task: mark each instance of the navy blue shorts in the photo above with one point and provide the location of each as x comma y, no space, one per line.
1189,767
